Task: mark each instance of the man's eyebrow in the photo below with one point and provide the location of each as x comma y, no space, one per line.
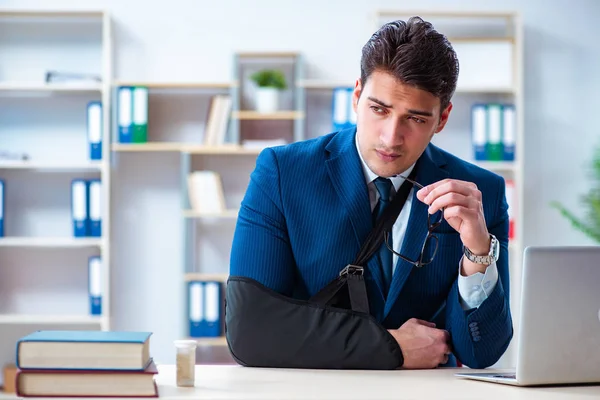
422,113
381,103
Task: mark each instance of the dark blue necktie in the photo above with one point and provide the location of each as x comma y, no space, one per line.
384,187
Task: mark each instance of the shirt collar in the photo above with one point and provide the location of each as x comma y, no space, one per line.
370,176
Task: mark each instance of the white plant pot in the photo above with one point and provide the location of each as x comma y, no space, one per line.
267,99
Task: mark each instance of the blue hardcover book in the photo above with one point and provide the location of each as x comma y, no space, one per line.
509,131
95,207
95,284
125,114
196,308
78,350
1,208
351,123
94,129
80,207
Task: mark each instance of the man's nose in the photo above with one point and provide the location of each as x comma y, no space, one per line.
392,134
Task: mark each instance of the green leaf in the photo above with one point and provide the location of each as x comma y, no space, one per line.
269,78
591,231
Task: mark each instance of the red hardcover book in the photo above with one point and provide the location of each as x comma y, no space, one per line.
87,383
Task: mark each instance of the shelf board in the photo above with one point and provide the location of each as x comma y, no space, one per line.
178,85
279,115
198,276
24,87
446,14
51,242
497,166
224,214
90,166
267,54
149,146
49,319
222,150
323,84
210,341
51,14
486,90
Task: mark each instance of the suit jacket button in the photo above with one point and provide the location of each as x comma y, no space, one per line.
476,338
473,324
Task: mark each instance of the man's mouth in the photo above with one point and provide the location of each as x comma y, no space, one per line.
387,156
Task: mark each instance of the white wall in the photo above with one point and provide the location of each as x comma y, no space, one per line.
194,40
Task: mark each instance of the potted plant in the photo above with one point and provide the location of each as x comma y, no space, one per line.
590,226
269,82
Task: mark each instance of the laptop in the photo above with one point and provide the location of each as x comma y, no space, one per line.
559,334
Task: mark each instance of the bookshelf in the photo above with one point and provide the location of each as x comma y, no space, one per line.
43,267
490,51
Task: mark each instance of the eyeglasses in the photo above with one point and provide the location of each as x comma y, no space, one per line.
433,221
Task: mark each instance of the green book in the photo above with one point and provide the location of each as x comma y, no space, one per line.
140,114
494,148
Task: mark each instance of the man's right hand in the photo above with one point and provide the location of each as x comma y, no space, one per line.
422,344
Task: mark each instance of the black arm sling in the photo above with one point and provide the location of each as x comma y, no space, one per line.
331,330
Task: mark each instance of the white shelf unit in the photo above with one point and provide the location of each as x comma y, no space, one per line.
494,39
46,267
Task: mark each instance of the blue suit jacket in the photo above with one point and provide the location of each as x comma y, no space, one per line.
306,213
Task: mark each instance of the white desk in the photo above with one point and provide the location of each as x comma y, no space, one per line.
236,382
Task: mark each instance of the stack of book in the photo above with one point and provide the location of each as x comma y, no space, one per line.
85,364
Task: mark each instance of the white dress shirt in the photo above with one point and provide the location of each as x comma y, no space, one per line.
473,289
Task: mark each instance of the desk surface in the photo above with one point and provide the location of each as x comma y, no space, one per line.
234,382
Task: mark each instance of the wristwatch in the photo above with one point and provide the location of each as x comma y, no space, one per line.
488,259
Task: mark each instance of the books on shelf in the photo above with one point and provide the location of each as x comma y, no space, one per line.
493,131
95,284
205,308
86,207
218,120
511,198
205,192
85,363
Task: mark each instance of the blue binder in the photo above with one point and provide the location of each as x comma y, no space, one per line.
79,207
479,133
212,309
95,284
509,131
340,108
196,308
125,114
1,208
95,207
94,129
351,114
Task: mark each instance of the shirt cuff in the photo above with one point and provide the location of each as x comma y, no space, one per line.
474,289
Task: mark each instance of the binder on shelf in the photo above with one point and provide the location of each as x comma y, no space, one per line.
94,129
95,284
95,207
205,310
494,147
351,114
1,208
509,125
196,308
124,114
479,131
212,311
340,108
140,114
79,207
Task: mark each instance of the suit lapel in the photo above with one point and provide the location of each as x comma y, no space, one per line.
345,172
429,170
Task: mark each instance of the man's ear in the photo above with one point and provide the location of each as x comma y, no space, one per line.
356,94
444,118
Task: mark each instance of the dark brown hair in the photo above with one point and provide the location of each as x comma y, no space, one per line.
416,54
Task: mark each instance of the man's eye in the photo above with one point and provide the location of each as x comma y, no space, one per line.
417,120
377,110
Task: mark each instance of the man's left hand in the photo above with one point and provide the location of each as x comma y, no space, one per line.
463,210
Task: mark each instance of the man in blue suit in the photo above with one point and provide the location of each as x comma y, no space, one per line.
310,206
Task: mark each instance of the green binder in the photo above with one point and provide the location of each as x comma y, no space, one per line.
494,148
140,114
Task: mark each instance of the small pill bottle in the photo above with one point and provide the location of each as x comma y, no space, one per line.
186,362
